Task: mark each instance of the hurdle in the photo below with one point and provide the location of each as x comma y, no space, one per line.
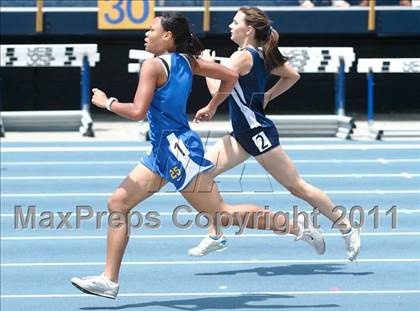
337,60
51,55
385,65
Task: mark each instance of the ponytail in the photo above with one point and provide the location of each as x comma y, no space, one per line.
194,46
272,56
185,41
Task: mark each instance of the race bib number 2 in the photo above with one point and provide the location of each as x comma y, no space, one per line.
261,141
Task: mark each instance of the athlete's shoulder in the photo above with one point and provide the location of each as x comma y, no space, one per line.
241,61
242,54
151,66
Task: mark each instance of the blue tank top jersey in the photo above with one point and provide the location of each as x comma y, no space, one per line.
177,154
167,112
247,98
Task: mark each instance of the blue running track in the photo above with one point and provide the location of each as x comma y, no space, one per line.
259,271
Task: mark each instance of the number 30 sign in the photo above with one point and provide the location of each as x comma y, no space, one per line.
125,14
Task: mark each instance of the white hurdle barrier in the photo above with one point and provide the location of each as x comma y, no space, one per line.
319,59
386,65
51,55
305,60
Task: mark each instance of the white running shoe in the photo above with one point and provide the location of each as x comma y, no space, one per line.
311,235
208,245
98,285
352,240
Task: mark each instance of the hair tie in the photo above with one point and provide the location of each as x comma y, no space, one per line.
190,38
270,30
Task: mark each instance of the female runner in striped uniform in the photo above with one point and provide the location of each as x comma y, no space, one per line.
254,134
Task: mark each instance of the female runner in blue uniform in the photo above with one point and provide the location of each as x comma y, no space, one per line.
177,152
253,133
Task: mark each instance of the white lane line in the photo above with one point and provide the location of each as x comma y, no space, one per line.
253,193
218,294
64,177
210,262
308,147
225,294
327,161
188,236
223,176
12,163
81,141
408,175
145,212
7,140
170,214
76,149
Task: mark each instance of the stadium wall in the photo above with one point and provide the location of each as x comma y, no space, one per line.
397,35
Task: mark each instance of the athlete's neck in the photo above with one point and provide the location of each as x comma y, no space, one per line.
165,51
249,42
162,53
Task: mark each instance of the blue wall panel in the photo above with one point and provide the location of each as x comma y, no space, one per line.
17,23
405,23
389,23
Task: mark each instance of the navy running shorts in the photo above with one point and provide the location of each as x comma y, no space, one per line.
258,140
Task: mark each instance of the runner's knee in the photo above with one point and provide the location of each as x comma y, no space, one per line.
299,188
118,203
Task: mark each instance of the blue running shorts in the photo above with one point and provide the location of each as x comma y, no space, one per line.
178,158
